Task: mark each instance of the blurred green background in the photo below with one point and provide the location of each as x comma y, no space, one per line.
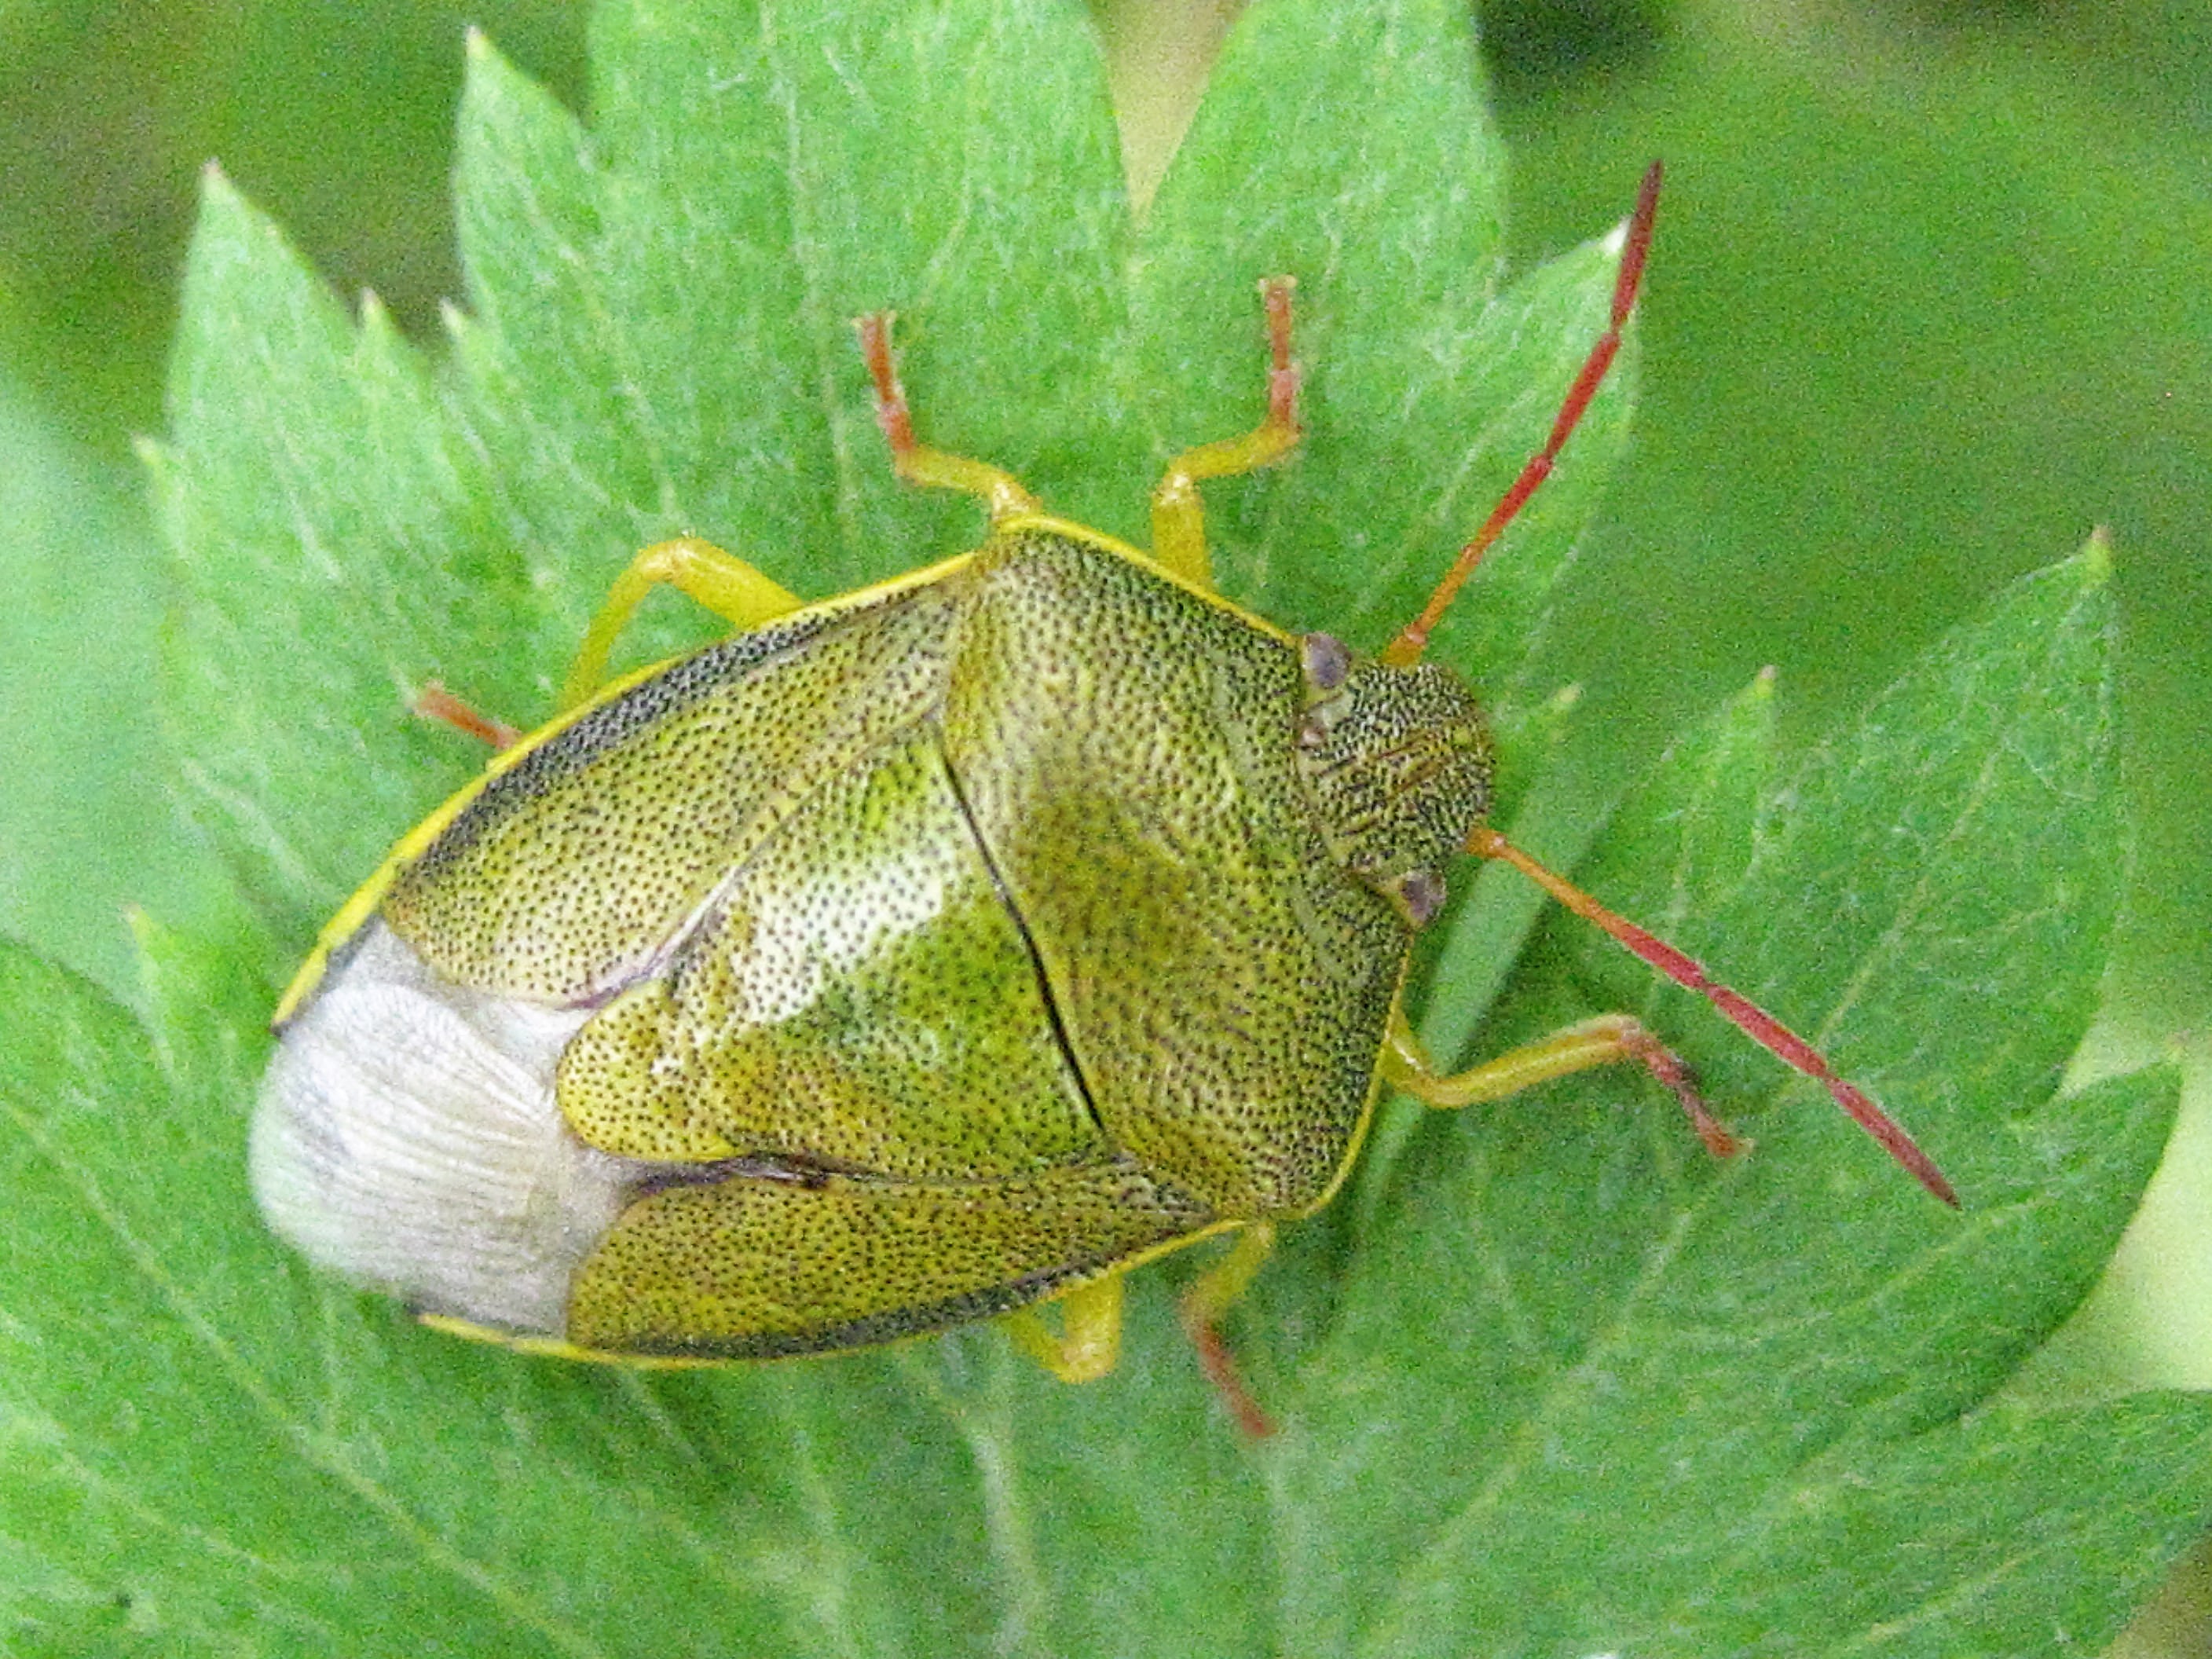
1929,299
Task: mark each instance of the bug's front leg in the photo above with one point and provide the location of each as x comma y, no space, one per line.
1607,1040
1178,515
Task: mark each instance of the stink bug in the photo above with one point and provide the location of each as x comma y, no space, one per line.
920,955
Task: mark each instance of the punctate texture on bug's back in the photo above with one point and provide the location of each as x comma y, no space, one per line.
895,964
577,869
1129,753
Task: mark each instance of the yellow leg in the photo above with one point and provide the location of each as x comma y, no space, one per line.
1211,1295
723,583
1090,1339
1178,515
917,463
1608,1040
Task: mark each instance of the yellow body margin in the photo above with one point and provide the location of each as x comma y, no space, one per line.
1137,555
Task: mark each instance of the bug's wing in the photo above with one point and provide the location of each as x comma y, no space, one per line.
571,870
860,997
406,1137
751,1268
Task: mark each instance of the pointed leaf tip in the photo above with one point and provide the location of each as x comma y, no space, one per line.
2096,557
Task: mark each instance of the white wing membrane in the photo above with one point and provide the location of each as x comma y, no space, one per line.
408,1137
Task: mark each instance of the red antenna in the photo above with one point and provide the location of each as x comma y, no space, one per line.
1754,1021
1413,640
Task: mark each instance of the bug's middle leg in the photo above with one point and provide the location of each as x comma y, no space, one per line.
1089,1342
701,572
1178,515
1211,1295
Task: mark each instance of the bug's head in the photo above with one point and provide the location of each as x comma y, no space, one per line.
1398,763
1396,753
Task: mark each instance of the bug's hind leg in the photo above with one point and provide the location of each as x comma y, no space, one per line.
434,702
1211,1295
1178,515
1088,1341
915,461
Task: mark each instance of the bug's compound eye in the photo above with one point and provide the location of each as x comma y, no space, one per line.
1328,661
1422,893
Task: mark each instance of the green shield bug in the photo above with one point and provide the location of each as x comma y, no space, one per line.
921,955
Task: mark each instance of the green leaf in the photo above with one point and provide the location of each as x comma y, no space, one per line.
1424,396
657,344
1555,1385
1602,1345
85,821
